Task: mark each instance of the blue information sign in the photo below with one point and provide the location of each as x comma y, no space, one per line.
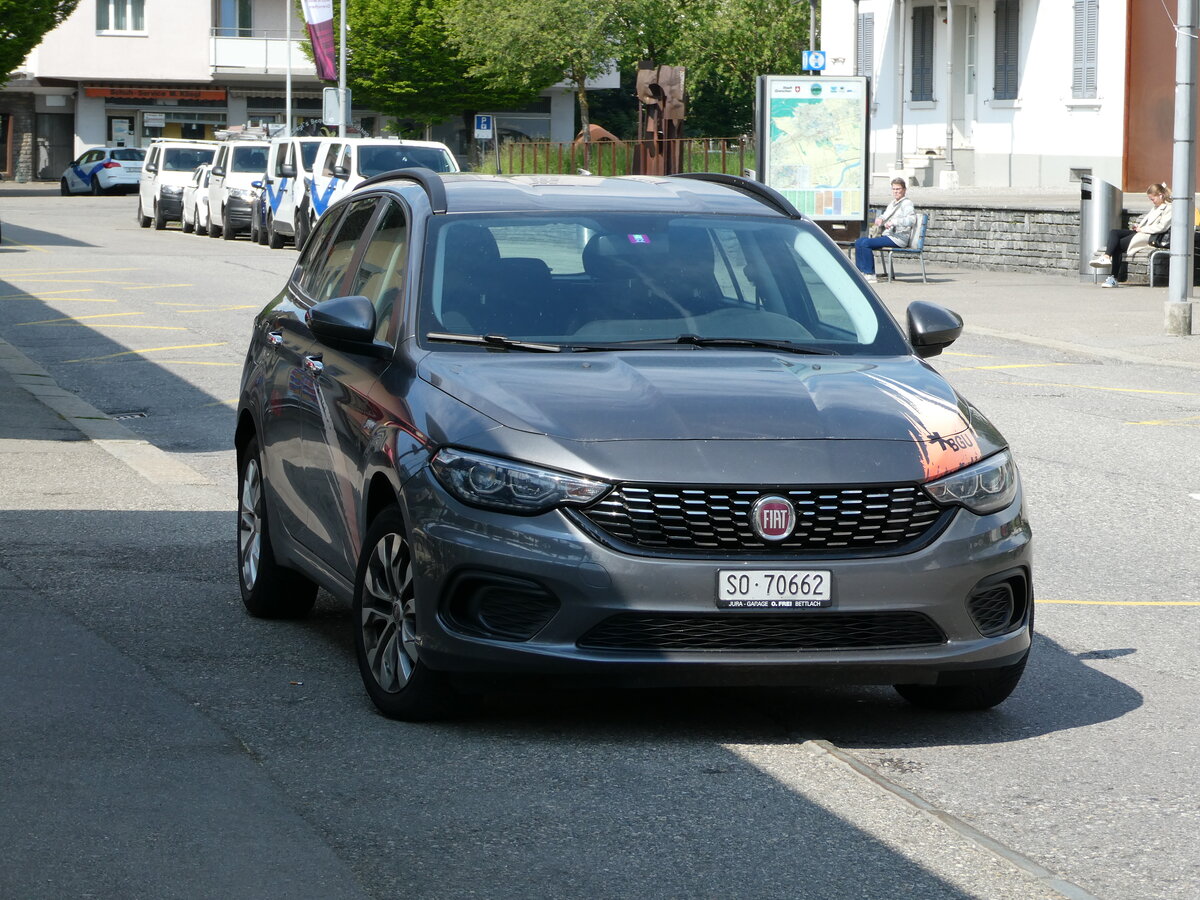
813,60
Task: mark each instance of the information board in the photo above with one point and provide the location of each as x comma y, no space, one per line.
812,143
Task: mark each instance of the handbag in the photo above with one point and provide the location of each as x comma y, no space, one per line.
1161,240
874,231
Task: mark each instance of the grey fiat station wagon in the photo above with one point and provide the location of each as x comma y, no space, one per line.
649,428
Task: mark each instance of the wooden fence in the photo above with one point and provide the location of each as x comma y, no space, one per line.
731,156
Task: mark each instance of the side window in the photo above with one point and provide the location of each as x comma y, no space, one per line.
330,251
380,276
330,159
922,53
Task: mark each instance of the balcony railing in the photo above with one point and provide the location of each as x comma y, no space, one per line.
258,50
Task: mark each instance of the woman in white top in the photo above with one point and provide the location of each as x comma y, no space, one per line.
1125,241
896,224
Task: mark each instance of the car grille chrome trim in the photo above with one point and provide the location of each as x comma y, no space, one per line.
837,520
633,632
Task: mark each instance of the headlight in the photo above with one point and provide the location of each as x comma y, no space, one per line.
509,486
240,193
983,488
171,190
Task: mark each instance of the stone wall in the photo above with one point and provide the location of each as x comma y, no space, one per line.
999,239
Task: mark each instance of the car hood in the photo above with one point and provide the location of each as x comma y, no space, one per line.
715,395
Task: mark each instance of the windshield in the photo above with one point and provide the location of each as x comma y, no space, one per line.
249,159
184,159
377,160
626,278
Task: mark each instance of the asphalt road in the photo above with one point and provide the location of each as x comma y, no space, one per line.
157,742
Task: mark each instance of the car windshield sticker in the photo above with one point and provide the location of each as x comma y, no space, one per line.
943,437
639,238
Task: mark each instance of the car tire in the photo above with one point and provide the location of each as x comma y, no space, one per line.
977,690
64,188
188,225
214,230
274,238
385,628
269,590
143,220
96,189
160,218
254,229
228,232
302,226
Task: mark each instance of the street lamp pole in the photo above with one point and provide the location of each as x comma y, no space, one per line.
1178,311
342,75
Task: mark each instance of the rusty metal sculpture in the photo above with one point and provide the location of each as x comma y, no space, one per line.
660,119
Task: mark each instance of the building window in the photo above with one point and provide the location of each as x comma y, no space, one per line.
922,53
120,15
866,44
1083,72
234,18
1008,40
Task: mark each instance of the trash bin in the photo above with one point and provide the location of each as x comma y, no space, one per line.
1100,210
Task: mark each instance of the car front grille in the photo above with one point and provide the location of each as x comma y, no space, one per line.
707,520
634,632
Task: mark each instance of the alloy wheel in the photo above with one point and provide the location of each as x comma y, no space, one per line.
389,622
250,524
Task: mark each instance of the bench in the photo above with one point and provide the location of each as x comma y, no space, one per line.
916,248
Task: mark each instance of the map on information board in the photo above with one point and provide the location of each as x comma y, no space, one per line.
813,143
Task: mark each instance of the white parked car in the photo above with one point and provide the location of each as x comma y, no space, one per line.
103,170
237,164
167,171
346,163
195,201
284,184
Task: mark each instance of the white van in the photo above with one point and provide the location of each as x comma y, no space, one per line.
289,164
347,162
236,165
166,172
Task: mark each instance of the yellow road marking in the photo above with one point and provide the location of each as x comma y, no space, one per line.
1094,387
13,243
46,294
201,362
146,287
1041,602
80,318
147,350
1022,366
108,325
220,308
69,272
1183,421
968,355
42,299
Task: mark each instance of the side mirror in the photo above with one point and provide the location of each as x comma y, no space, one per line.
287,170
341,172
151,167
257,184
932,328
347,323
218,170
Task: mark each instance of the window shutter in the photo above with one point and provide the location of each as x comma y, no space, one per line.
1008,39
922,53
866,44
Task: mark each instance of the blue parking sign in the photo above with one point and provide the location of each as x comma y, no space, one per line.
483,127
813,60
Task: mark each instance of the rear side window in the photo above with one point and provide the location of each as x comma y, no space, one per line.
128,154
332,249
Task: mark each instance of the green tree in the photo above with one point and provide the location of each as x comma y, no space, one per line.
725,45
23,25
401,61
539,42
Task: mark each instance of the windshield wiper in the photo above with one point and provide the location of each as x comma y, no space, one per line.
498,341
786,346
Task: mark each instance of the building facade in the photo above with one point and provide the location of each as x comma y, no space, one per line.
122,72
1012,93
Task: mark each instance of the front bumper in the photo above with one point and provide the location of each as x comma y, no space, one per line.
237,214
171,206
506,594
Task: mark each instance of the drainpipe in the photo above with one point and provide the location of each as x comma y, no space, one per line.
949,86
900,22
857,40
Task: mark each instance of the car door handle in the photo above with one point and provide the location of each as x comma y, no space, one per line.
275,338
313,364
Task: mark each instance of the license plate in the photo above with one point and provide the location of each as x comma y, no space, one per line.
773,589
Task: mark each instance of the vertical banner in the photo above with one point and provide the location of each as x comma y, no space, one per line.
812,143
318,14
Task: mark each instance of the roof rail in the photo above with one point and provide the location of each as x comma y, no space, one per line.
755,189
427,178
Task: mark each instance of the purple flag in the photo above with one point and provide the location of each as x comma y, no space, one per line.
318,15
